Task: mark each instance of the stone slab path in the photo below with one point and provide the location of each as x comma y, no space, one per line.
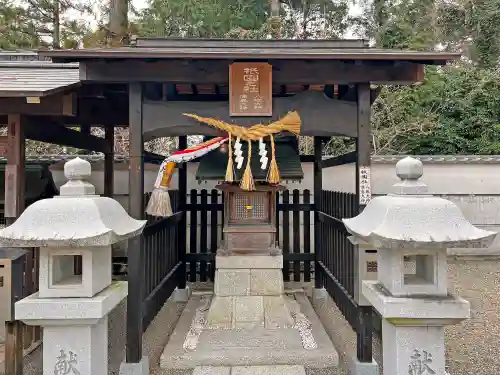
250,370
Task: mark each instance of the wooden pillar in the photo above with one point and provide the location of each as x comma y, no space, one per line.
318,187
109,161
136,210
363,148
85,128
182,232
13,207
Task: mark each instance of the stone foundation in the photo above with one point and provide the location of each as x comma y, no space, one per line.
248,293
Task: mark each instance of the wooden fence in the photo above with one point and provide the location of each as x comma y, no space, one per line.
204,220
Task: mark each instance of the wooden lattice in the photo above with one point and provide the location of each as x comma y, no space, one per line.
249,208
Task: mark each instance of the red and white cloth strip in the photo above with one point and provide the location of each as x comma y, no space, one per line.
196,151
188,154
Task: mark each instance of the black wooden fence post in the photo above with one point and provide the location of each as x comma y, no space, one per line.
318,187
136,210
181,238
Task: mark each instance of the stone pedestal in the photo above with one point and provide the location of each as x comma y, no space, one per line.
75,331
248,293
413,329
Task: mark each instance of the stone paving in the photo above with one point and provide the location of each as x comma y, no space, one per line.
250,370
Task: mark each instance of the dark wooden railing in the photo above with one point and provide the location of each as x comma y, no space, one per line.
160,260
293,222
338,270
335,253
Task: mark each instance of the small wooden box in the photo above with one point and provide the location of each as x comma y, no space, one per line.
249,218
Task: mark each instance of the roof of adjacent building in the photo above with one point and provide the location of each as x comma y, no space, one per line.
213,165
251,49
23,75
376,159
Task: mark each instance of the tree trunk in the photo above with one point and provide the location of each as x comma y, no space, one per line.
56,32
275,19
118,22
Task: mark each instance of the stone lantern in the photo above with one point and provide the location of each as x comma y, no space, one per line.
72,307
412,231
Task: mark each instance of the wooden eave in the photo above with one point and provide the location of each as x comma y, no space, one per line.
240,51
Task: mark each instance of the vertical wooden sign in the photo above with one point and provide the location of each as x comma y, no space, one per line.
365,185
250,89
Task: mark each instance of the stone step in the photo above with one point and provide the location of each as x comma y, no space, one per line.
250,370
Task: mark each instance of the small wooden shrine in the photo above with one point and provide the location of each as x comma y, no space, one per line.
249,219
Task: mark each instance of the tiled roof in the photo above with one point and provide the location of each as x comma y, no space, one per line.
213,165
35,77
377,159
51,159
440,159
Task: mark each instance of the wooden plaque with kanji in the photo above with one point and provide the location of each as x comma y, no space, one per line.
250,89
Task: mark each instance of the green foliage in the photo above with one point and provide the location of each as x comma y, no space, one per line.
17,31
200,19
42,23
472,26
455,111
246,19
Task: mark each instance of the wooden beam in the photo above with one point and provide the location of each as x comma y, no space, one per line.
318,188
54,105
363,148
135,245
307,72
349,93
14,205
363,141
55,133
109,162
14,174
320,115
151,157
181,246
335,161
85,129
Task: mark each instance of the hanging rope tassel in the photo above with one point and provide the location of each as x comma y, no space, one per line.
247,182
273,174
230,166
159,204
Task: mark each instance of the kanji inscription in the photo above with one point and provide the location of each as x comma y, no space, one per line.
66,364
365,189
250,89
421,363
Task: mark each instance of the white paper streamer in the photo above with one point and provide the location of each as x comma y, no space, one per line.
263,154
238,153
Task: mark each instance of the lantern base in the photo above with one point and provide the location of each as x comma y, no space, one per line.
413,329
75,330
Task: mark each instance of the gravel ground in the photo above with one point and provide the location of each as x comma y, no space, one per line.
472,346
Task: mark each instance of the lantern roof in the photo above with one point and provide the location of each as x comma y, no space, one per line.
77,217
409,217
